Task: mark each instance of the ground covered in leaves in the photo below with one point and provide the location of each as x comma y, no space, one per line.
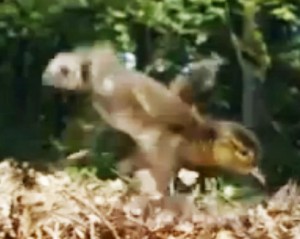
34,204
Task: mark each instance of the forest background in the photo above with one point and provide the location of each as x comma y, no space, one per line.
258,84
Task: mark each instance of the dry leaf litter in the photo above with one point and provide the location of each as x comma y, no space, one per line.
36,204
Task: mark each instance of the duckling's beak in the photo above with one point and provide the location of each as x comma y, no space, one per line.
256,173
47,79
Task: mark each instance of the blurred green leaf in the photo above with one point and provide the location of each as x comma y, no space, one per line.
286,13
8,9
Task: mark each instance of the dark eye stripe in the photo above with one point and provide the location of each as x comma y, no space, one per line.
239,147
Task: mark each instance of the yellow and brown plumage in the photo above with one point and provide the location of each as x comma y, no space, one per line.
235,147
167,131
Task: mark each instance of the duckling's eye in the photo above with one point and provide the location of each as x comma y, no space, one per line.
244,153
64,71
238,147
